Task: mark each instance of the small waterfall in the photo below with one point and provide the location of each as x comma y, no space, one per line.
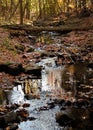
17,95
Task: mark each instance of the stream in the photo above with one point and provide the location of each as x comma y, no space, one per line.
70,82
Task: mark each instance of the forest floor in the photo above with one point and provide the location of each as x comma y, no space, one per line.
59,24
15,42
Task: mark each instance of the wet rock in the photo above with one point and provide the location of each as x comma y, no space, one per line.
68,103
44,108
10,117
26,105
76,118
51,105
12,126
33,69
90,65
7,118
2,122
63,119
31,118
12,107
22,113
59,101
63,108
91,115
11,68
81,103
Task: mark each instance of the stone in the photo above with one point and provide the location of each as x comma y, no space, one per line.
26,105
63,119
11,68
12,126
22,113
33,69
8,118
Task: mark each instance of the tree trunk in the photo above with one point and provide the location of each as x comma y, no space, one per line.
68,1
40,9
28,9
21,12
11,6
76,7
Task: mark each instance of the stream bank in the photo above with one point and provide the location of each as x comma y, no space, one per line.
66,83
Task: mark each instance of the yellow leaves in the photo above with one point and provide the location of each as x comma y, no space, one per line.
71,6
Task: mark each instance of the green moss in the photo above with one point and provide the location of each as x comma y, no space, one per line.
20,47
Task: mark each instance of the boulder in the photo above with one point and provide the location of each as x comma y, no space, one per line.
12,127
33,69
22,114
12,68
8,118
63,119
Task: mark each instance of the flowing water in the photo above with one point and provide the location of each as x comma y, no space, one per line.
69,82
61,82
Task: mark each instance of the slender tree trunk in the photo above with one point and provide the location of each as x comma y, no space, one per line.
21,12
11,6
68,2
40,9
64,6
0,6
28,9
76,7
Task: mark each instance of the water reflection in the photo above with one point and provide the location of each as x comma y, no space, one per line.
48,37
66,81
28,86
69,79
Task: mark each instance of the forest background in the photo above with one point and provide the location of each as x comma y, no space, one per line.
30,11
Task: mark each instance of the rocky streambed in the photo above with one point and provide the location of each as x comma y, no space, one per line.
63,100
54,88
